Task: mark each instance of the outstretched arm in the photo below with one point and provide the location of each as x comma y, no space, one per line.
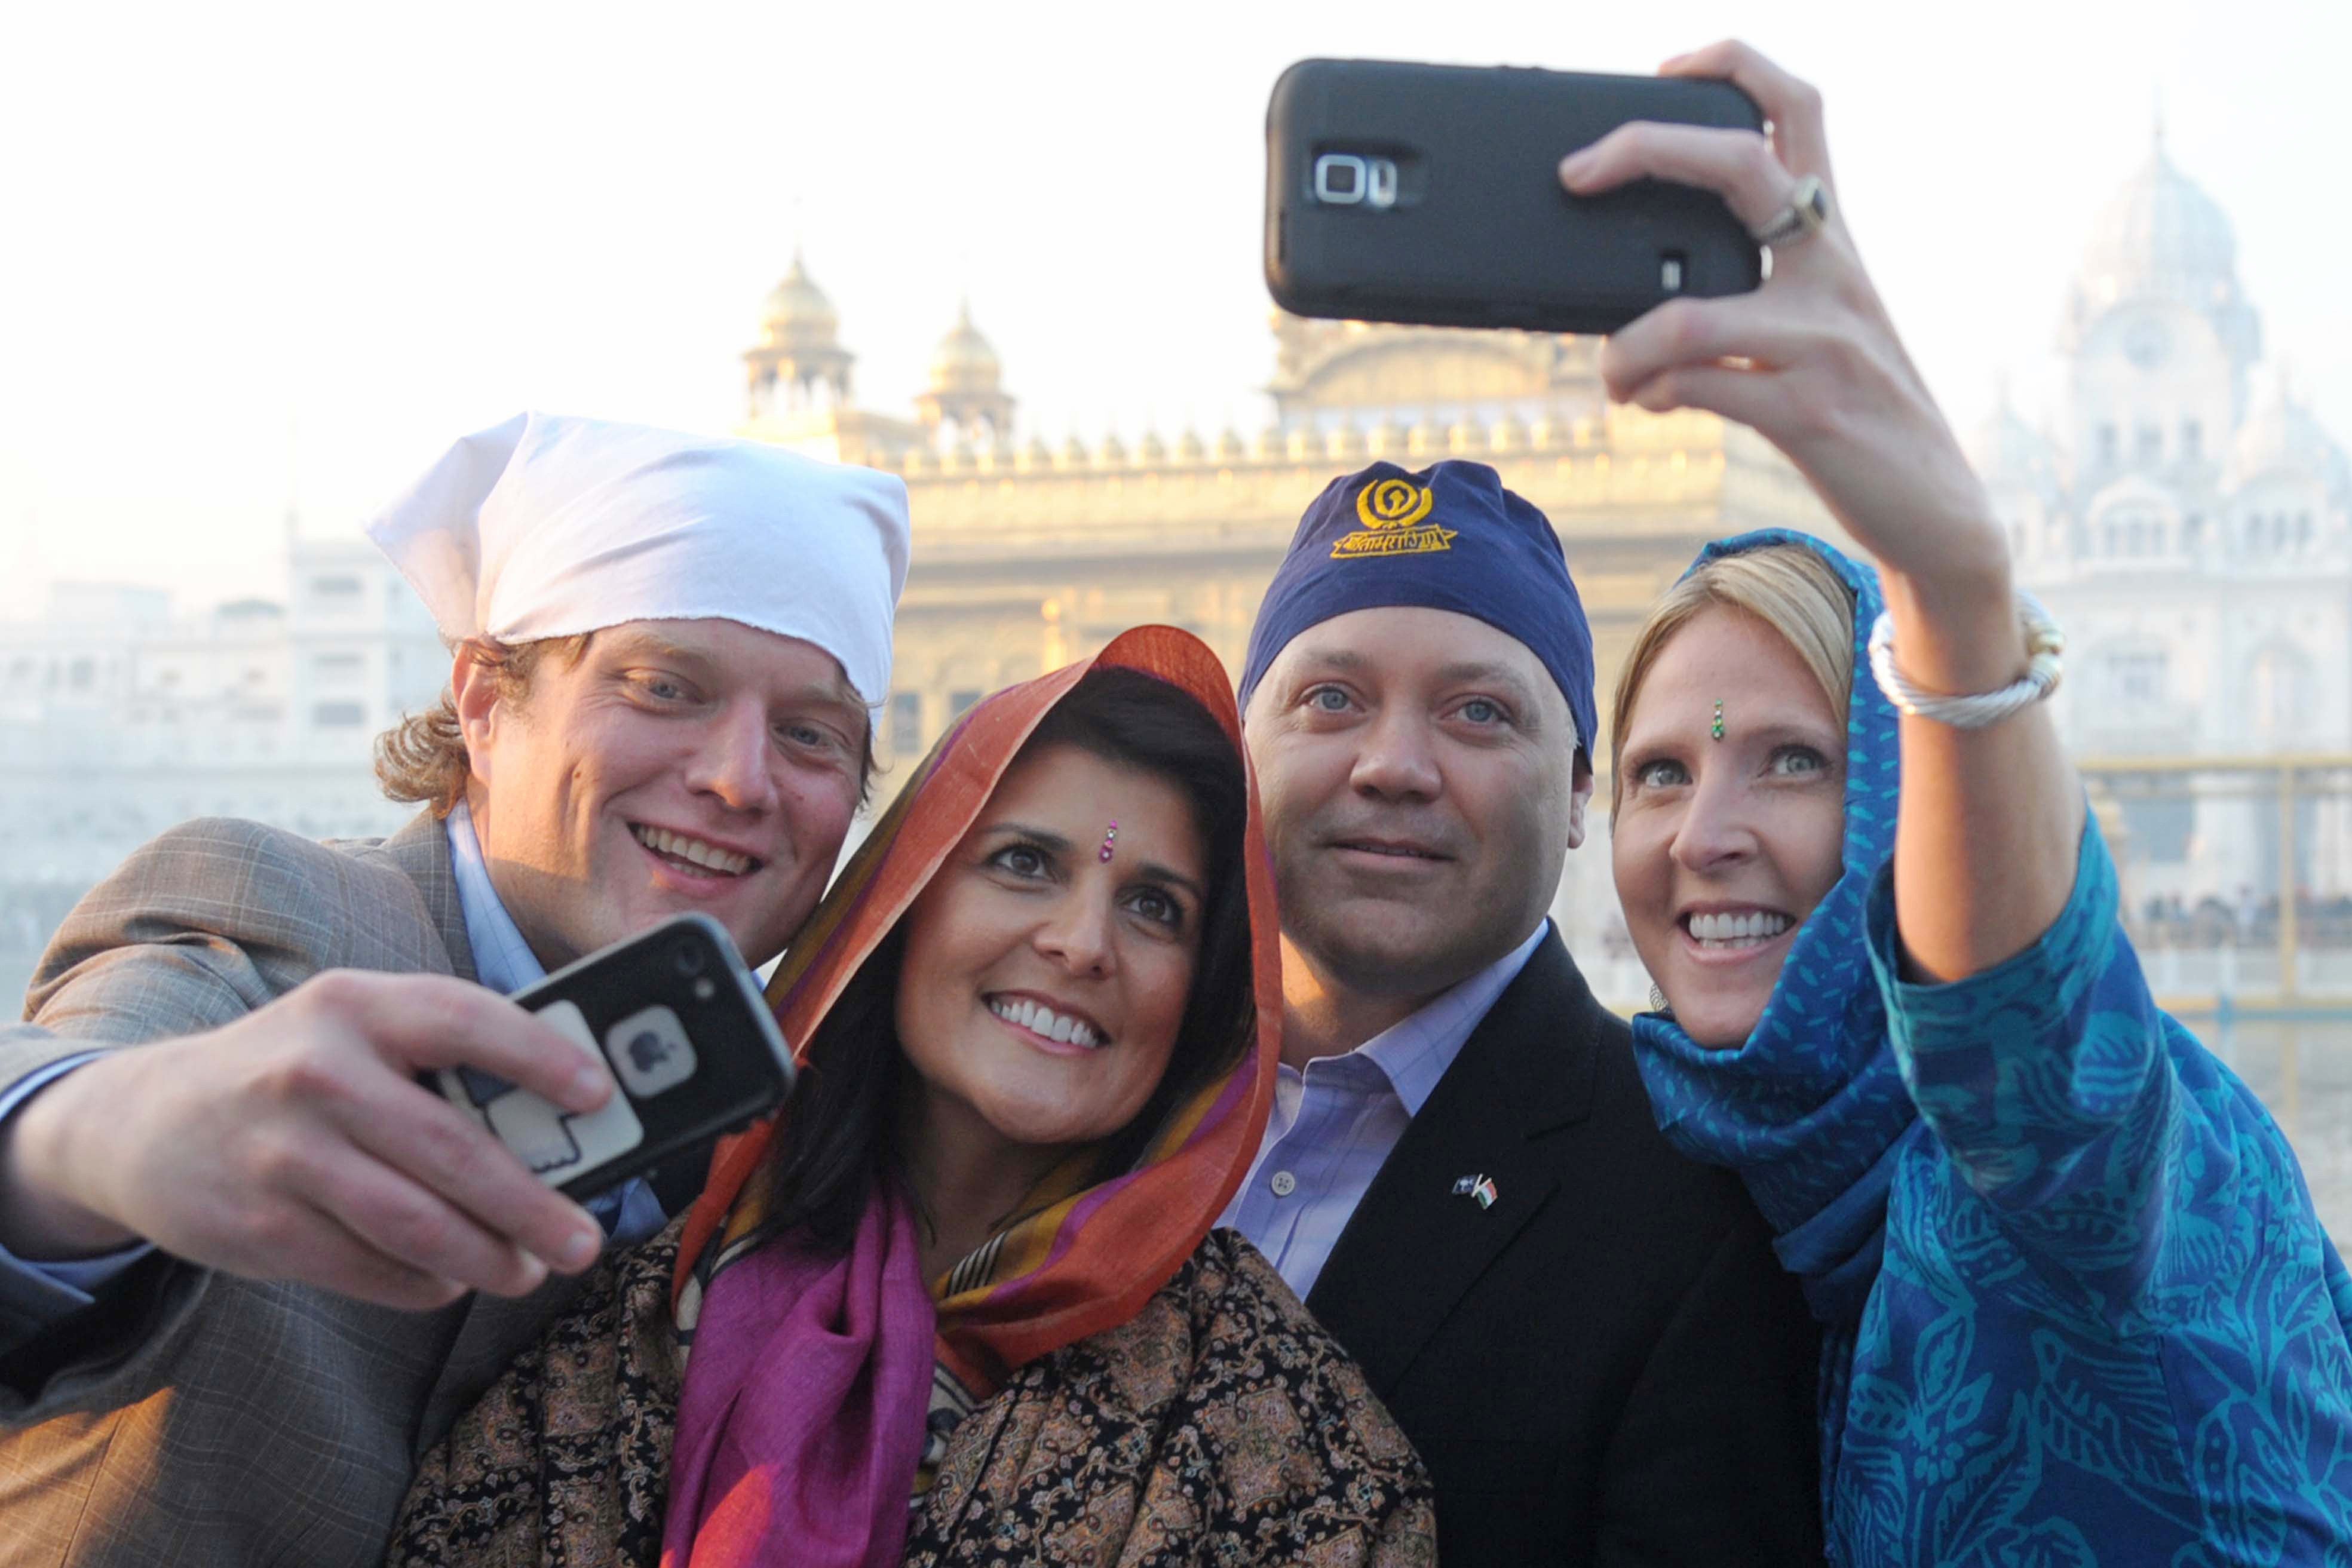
1985,853
275,1137
2026,1035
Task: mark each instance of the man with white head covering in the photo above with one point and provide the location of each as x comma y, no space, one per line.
248,1265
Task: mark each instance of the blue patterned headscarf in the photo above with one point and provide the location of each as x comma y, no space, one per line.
1812,1111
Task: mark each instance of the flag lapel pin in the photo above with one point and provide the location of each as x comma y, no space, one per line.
1477,1187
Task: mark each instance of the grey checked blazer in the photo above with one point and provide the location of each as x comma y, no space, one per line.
195,1418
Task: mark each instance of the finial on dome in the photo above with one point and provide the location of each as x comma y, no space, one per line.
797,363
797,309
966,387
965,359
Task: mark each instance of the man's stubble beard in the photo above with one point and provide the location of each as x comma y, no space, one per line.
1412,957
1423,951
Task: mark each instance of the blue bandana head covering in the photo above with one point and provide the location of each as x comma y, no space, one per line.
1448,538
1812,1111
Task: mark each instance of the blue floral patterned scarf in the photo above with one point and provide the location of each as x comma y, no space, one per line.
1812,1112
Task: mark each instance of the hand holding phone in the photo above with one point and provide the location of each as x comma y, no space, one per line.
294,1143
677,1021
1811,362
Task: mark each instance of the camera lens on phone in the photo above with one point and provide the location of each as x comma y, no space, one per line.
690,960
1339,179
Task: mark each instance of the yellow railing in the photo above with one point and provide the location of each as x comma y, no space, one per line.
2288,777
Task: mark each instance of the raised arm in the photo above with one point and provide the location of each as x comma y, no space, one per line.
2025,1032
1985,853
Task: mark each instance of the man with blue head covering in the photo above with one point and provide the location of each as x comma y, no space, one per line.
1585,1333
250,1268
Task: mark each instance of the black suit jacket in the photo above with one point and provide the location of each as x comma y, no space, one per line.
1607,1365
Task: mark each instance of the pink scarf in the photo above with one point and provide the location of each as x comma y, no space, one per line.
808,1378
807,1459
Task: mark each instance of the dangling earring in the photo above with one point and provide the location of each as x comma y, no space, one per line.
1658,999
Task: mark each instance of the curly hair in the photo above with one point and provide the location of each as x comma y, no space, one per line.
422,760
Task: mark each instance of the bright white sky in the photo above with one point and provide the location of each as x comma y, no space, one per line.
250,245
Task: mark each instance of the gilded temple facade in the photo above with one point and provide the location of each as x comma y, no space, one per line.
1026,555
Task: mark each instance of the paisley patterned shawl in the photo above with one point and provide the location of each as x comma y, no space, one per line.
1812,1111
1081,1258
1221,1423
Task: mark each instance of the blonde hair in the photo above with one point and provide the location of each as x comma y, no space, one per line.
422,758
1787,586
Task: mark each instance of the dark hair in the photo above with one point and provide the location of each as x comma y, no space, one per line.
837,1131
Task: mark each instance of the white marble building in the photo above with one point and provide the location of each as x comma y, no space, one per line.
119,720
2190,524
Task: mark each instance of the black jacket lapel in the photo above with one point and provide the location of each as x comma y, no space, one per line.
1414,1246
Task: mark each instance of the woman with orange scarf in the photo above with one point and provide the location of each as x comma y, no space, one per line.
970,1266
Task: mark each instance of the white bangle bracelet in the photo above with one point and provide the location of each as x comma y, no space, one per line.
2043,645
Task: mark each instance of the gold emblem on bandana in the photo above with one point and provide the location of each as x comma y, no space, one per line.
1389,508
1394,504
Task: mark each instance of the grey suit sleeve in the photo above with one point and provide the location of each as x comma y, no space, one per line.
116,999
191,933
37,1296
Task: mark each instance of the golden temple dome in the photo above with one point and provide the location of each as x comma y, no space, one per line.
963,361
798,314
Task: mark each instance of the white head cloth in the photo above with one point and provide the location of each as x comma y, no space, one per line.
548,526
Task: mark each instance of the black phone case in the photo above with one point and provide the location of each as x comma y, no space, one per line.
741,1068
1480,232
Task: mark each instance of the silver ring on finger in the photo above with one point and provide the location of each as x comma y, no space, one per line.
1805,215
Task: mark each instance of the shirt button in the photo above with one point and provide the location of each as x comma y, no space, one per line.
1284,1184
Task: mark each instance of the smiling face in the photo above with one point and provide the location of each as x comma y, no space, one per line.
1042,986
679,766
1722,847
1419,786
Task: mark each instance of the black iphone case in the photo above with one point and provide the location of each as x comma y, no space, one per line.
679,1021
1469,226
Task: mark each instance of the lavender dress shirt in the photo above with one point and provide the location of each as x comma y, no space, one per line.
1333,1126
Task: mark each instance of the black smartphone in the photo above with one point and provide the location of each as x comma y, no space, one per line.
679,1020
1431,195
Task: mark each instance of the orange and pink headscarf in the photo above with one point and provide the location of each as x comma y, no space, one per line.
802,1418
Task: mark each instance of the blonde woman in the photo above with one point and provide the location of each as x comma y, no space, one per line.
2081,1308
